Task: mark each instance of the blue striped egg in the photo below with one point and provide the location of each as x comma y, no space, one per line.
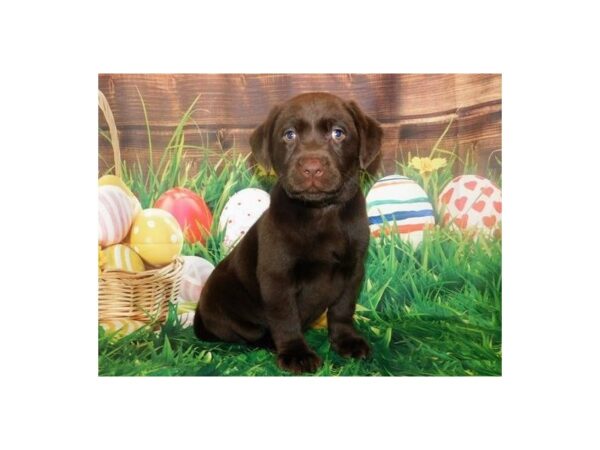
397,203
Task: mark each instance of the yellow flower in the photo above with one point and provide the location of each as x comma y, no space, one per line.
427,165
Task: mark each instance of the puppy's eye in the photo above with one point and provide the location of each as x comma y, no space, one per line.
289,135
338,134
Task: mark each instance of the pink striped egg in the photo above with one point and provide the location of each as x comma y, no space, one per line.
115,215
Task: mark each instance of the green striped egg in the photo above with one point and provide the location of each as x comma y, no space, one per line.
398,204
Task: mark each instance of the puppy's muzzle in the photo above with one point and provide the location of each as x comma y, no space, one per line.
312,167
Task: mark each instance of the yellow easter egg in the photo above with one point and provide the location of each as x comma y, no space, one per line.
122,327
101,260
113,180
156,236
321,322
186,307
122,257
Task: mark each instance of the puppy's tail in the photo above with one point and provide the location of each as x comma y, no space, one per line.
200,329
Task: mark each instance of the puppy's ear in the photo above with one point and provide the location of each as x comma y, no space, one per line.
370,135
260,140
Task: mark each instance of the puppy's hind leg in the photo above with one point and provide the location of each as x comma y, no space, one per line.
200,329
224,313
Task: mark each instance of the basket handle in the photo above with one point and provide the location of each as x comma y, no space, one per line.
112,128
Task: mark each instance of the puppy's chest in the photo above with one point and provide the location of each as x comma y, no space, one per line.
328,254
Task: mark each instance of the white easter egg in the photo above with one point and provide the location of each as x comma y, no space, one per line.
195,272
471,202
115,215
241,211
397,203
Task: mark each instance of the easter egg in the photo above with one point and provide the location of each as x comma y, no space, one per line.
186,319
240,212
121,327
321,322
190,210
195,272
185,313
471,202
115,214
121,257
397,203
101,260
156,236
113,180
186,307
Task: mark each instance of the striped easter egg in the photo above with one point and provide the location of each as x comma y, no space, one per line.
122,327
195,272
398,203
114,180
185,313
186,319
115,215
121,257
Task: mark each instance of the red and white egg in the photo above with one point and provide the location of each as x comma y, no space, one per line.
471,203
115,215
195,272
190,210
240,212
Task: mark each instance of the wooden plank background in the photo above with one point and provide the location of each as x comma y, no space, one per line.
414,110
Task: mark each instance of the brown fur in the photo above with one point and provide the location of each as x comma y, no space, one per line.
306,253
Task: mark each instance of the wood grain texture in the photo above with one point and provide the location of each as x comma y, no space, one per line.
414,110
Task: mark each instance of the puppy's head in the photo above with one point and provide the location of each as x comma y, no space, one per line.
316,143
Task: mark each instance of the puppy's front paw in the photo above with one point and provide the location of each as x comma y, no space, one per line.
351,346
299,361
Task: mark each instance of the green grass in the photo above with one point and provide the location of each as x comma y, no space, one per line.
435,310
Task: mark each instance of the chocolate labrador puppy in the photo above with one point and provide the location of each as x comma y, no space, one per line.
306,253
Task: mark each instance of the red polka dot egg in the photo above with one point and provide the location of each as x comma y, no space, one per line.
190,211
240,212
471,202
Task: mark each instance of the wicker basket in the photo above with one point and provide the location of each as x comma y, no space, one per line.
142,296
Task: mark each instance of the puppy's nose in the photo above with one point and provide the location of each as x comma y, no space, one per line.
311,167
